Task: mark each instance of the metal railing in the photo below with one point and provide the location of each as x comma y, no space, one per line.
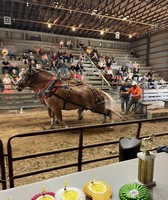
94,65
2,167
79,162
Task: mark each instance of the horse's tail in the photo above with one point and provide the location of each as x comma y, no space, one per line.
109,101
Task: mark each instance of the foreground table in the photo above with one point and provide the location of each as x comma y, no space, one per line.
116,175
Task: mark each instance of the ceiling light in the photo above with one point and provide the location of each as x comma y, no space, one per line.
49,25
130,35
102,32
125,18
73,28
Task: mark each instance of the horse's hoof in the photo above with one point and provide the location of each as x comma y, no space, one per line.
80,118
51,127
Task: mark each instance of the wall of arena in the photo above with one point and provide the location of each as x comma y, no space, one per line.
158,51
15,34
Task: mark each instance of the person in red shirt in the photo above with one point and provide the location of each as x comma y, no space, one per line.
136,96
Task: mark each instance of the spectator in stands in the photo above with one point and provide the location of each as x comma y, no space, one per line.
128,79
71,57
119,72
108,62
83,45
59,55
136,96
12,53
44,59
7,82
101,64
14,65
151,82
134,54
78,76
61,44
14,76
62,69
69,44
94,58
117,80
79,67
88,50
108,73
129,66
1,85
33,63
4,53
5,66
113,60
37,50
124,70
135,73
21,72
72,67
95,50
25,58
65,56
81,57
125,98
31,56
54,60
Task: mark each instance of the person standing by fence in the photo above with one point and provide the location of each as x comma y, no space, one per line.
125,98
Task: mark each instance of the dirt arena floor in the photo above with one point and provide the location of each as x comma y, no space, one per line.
38,120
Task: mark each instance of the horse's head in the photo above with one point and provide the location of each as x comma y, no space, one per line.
26,78
34,77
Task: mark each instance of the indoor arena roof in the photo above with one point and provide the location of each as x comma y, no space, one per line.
86,18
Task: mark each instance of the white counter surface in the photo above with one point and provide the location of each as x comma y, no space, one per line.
116,175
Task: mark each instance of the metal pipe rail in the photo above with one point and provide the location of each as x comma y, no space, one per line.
103,78
79,163
2,167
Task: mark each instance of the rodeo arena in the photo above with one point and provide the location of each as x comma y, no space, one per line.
83,100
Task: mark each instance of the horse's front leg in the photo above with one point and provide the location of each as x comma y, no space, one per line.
80,113
105,119
53,118
58,114
52,123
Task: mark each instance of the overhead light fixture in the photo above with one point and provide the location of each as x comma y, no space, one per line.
73,28
101,32
130,35
49,25
125,18
27,4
